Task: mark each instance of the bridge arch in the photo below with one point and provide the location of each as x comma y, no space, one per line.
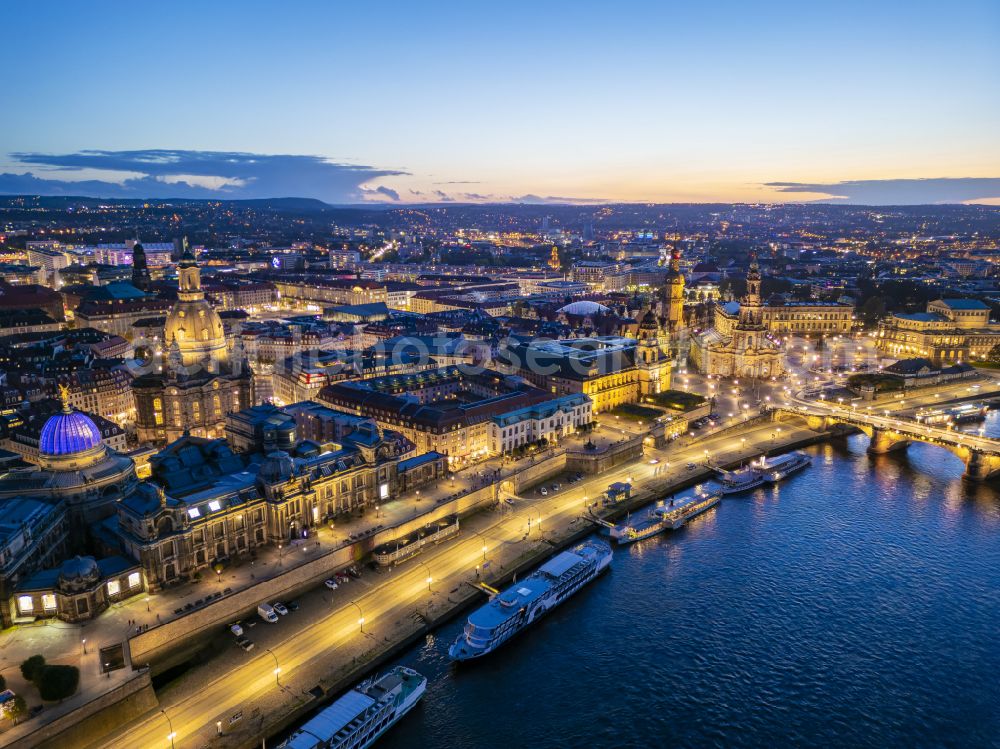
886,434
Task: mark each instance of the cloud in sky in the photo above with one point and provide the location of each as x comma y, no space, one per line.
381,190
556,200
899,191
166,173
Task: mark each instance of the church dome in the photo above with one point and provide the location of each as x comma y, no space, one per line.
79,572
68,433
192,324
649,321
197,329
583,307
277,467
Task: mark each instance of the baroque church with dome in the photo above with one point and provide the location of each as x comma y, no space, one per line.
45,514
75,468
201,379
749,350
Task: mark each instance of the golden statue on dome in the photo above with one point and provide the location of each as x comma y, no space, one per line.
64,397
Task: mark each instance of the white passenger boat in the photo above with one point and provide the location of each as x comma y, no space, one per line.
511,611
776,469
358,718
741,480
671,514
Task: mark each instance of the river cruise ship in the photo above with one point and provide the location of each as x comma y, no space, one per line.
357,719
671,514
775,469
524,602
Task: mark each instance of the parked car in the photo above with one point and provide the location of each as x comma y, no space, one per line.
292,605
353,571
331,584
691,466
280,608
246,644
543,491
266,612
236,629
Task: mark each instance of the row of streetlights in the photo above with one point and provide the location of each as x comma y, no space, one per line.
361,624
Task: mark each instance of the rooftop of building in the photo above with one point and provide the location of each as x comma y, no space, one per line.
541,410
963,304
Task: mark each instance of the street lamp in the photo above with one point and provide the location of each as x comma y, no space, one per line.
430,578
484,543
277,668
361,616
218,727
84,641
172,735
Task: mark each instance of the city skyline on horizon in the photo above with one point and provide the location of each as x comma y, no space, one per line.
878,106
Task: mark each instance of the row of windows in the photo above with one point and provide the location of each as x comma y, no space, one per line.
26,603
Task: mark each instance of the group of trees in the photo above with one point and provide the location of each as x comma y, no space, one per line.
17,708
54,682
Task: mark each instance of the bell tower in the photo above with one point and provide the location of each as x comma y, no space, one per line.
674,294
189,277
652,355
140,271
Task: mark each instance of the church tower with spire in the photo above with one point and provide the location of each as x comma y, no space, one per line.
674,294
750,328
652,355
140,271
748,351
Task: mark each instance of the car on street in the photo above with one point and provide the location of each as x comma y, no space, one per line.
266,612
654,461
543,491
691,466
236,629
292,605
280,608
331,584
245,643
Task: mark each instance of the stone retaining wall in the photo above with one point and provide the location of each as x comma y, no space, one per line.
93,720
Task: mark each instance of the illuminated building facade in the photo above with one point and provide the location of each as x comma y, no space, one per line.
950,331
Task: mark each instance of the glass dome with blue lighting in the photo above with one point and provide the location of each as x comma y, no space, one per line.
68,432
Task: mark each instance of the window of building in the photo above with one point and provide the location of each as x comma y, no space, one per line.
214,505
48,602
134,580
113,587
25,604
